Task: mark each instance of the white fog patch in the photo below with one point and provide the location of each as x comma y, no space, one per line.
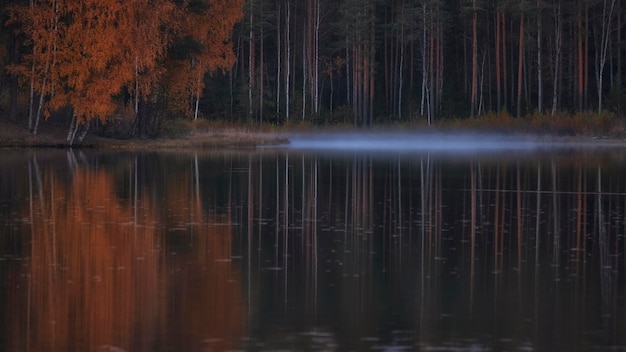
406,142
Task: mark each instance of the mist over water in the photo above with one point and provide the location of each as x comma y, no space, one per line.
415,142
437,142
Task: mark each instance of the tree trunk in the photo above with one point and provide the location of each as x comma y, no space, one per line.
474,88
39,106
440,67
31,104
504,62
278,58
385,61
13,80
424,66
498,73
260,80
83,133
304,74
520,65
372,60
71,134
607,17
316,63
557,57
580,91
539,61
586,61
251,64
620,44
431,68
288,57
198,91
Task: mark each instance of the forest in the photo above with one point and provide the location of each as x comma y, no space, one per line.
141,64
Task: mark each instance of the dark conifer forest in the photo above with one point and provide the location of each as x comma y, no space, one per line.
355,62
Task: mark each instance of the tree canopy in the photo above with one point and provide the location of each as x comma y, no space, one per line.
84,55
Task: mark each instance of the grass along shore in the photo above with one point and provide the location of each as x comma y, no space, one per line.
187,135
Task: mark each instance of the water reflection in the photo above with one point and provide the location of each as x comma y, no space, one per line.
97,266
270,250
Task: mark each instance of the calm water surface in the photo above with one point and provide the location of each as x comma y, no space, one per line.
301,250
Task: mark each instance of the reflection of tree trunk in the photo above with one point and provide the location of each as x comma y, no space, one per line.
519,220
579,214
472,228
286,227
606,280
537,220
555,221
277,212
260,214
399,210
249,221
134,189
315,250
496,219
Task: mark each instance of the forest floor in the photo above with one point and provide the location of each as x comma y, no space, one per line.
209,134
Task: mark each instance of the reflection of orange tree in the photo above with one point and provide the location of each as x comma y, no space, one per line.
204,287
96,279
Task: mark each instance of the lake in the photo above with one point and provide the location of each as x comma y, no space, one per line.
504,247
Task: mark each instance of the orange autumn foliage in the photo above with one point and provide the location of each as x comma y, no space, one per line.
211,30
84,54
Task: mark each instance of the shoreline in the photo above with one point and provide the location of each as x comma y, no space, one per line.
51,136
15,136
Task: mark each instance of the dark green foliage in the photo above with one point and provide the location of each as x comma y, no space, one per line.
183,48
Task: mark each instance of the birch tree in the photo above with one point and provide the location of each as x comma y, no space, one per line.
602,46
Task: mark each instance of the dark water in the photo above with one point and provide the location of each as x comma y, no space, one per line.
296,250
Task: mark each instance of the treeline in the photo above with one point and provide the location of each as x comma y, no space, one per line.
427,59
350,61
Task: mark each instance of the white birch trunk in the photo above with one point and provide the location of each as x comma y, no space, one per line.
278,61
288,60
607,15
316,58
557,57
539,62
